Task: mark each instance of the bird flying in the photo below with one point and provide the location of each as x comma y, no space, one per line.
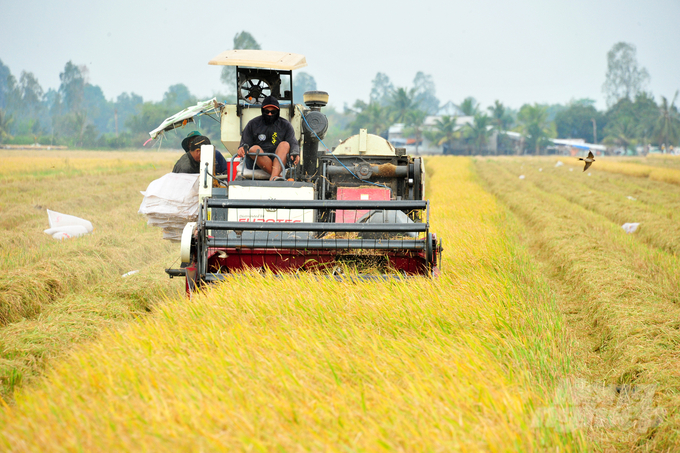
588,160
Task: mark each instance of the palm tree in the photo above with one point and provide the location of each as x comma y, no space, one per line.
372,117
415,121
5,121
667,129
500,118
622,133
469,106
535,127
502,121
402,102
445,131
479,131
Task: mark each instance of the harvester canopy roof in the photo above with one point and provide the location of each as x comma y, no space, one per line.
260,59
180,119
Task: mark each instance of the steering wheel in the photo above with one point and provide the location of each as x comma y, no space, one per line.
254,90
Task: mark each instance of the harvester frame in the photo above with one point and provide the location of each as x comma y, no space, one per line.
359,206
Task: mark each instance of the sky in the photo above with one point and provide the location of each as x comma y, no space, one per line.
517,52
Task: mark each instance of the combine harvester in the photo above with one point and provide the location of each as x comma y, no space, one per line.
359,206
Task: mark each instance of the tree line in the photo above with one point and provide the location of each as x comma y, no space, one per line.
632,119
77,114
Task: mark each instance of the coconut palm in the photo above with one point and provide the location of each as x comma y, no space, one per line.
415,121
500,117
5,122
623,133
479,131
667,130
373,117
402,103
469,106
445,131
535,127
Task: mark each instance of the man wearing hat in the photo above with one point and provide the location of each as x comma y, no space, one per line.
191,160
269,133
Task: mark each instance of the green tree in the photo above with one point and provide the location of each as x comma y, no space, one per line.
381,90
402,102
643,112
624,78
5,73
373,117
302,83
579,120
242,40
622,133
535,127
72,88
53,99
99,110
5,123
178,97
501,119
415,123
31,94
667,131
469,106
13,100
126,105
479,131
424,91
444,133
149,117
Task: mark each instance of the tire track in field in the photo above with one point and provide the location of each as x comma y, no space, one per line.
619,296
659,218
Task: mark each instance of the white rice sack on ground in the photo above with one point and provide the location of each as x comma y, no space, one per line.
57,219
64,226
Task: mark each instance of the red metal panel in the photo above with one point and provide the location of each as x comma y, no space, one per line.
231,169
358,193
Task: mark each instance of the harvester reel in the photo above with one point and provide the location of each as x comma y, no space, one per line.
253,90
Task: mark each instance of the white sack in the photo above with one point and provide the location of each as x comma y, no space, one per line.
58,219
630,227
64,226
180,188
170,202
65,232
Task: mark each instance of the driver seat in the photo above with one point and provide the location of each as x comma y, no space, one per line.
241,170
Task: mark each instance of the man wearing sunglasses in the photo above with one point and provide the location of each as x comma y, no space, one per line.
269,133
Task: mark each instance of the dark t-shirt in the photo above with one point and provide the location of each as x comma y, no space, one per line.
268,137
187,164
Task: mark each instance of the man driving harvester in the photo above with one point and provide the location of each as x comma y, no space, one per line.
269,133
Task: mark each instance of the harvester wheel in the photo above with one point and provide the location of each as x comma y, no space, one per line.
429,250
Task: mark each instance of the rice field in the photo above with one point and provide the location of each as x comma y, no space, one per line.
545,307
55,294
